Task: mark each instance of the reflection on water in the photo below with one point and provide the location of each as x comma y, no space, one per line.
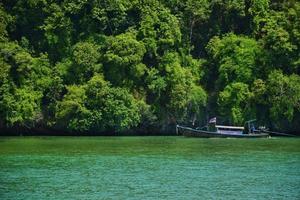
149,168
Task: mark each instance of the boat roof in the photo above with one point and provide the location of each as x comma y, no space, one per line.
230,127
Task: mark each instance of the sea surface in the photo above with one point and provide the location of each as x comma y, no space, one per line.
148,168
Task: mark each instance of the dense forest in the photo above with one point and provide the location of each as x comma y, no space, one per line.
99,66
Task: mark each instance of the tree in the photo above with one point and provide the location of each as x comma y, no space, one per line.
123,60
83,63
236,58
25,80
21,107
71,112
96,106
278,31
5,20
283,97
197,12
234,103
119,109
57,29
182,94
159,30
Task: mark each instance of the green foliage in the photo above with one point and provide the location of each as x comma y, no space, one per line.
83,63
71,111
57,30
112,65
120,110
259,90
283,95
233,102
236,58
5,20
22,107
159,30
123,57
24,80
258,10
97,106
279,33
182,94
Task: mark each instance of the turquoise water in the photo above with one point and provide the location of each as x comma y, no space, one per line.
149,168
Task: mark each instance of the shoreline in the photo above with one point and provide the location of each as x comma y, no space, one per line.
54,132
40,131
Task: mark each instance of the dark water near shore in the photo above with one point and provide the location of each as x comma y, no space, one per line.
149,168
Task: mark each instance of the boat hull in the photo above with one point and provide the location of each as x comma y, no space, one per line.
190,132
272,133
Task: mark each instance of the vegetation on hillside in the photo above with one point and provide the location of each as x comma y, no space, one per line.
118,65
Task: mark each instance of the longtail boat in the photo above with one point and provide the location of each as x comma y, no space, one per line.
220,131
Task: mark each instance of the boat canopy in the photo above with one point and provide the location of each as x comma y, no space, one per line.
230,127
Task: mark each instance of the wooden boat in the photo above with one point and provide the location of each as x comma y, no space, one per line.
219,131
191,132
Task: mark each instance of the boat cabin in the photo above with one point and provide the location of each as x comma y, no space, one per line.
249,127
229,129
